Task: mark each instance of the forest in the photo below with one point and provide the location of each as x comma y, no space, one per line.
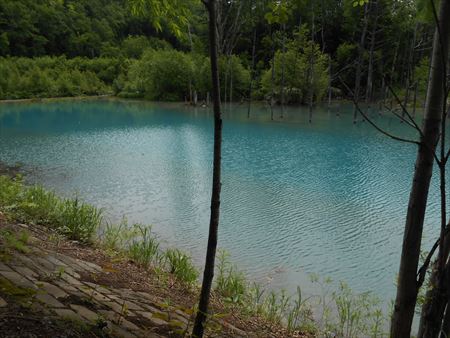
292,52
280,52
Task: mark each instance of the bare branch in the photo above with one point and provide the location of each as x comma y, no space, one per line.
394,137
423,269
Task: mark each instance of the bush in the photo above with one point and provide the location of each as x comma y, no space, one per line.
180,265
145,250
170,75
296,62
56,76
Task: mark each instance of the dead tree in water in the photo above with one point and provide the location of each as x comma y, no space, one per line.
361,44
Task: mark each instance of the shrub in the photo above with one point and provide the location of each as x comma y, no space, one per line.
78,220
145,248
180,265
296,63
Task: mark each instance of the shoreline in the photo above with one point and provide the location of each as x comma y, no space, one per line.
62,98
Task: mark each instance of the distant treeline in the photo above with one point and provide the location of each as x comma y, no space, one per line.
156,74
282,51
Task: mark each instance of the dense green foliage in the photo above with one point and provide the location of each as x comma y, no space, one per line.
161,53
292,71
56,76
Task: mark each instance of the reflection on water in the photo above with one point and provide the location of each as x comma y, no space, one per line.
298,198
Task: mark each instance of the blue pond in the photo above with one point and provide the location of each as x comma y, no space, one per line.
328,198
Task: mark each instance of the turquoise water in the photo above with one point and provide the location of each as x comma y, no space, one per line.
328,197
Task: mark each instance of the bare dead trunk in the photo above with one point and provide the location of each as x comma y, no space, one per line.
369,87
252,73
311,68
231,83
329,83
407,288
283,51
208,273
272,80
360,58
409,70
414,100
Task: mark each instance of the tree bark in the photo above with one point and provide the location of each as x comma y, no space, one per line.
360,58
283,51
369,86
329,82
272,80
252,74
409,70
311,67
208,274
407,288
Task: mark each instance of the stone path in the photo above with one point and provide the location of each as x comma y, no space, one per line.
56,287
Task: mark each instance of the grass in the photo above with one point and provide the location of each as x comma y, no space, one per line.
73,218
181,266
341,313
15,241
145,248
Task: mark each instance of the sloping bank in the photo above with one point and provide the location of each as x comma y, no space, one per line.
130,255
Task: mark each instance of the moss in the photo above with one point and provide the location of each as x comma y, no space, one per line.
15,292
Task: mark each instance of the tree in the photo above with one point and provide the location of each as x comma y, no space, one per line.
408,285
208,274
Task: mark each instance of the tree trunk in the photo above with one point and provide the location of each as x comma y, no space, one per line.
414,100
407,288
283,51
231,83
434,306
311,68
252,74
329,83
360,58
272,80
208,273
446,322
409,70
369,86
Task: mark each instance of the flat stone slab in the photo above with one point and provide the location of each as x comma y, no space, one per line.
18,279
85,312
154,320
26,272
49,300
60,291
4,267
68,314
52,289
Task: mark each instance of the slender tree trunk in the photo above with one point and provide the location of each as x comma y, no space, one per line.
311,67
409,70
329,83
283,51
272,80
407,288
252,73
414,100
369,86
208,273
231,82
360,58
